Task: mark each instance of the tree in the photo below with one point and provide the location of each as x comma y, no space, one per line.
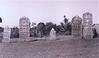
69,28
0,20
40,29
94,33
65,23
64,28
1,34
48,27
33,32
1,29
33,24
15,32
65,20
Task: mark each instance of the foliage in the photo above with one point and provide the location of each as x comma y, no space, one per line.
15,32
40,29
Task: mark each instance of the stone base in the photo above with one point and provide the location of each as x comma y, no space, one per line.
88,37
24,39
52,38
6,40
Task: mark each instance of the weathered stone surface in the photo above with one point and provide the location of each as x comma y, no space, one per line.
52,34
77,27
24,30
6,34
87,26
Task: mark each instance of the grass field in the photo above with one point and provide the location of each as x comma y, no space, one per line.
71,48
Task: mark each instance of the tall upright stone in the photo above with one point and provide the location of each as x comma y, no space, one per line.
87,25
77,27
52,34
6,34
24,28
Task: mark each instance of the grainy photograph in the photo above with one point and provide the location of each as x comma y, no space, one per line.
49,29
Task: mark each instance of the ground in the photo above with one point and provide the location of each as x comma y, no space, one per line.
71,48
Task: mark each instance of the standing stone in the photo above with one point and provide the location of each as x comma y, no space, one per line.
77,27
24,30
6,34
52,34
87,25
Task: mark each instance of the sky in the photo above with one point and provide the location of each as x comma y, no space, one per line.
45,10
